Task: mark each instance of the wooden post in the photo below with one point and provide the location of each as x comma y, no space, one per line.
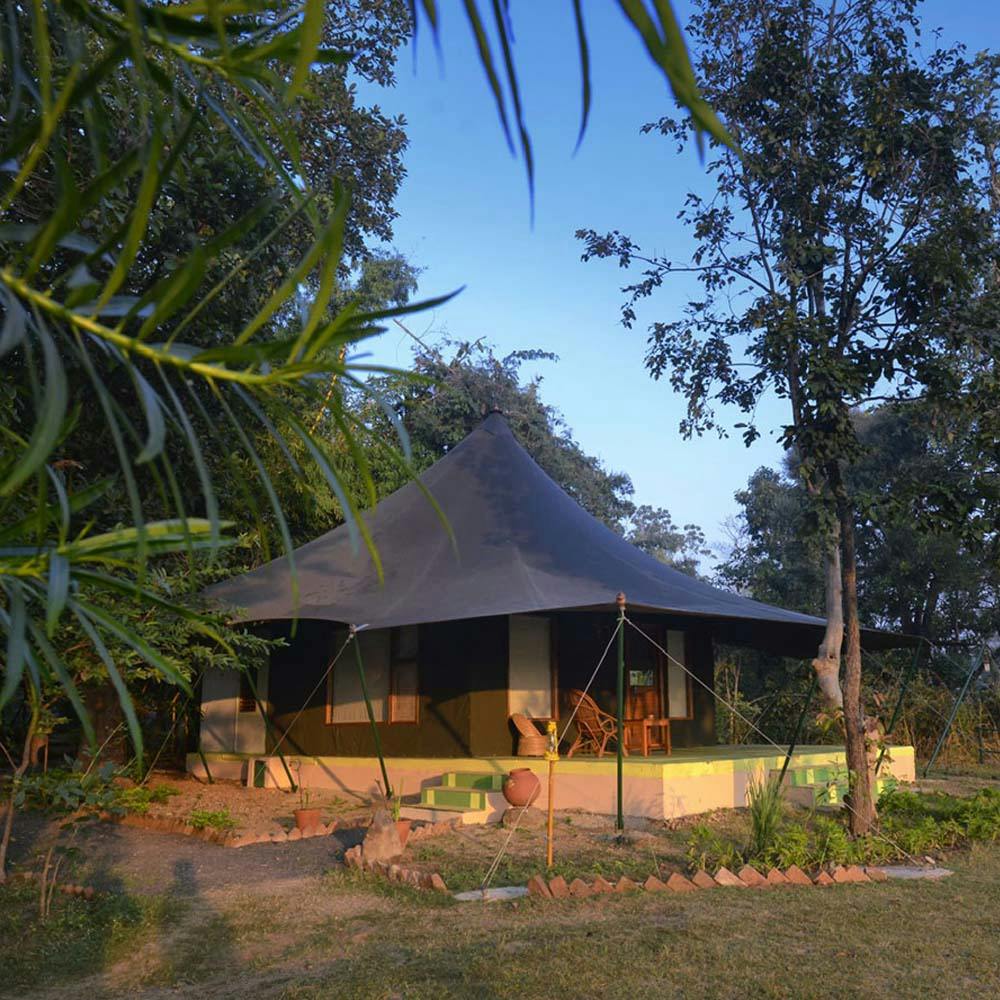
620,821
551,755
371,714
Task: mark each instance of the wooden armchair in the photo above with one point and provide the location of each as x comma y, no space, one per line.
594,727
530,742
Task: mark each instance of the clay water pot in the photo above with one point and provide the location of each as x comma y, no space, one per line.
521,787
306,819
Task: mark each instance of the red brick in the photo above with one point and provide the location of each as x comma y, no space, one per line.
602,885
753,878
678,883
653,884
558,887
796,876
625,884
703,880
726,878
437,883
537,886
823,878
876,874
580,888
775,877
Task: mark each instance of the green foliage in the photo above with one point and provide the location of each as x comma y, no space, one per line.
85,790
138,798
911,825
69,790
78,937
766,807
212,819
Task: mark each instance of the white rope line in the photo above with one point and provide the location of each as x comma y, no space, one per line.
784,750
495,864
319,684
709,689
586,690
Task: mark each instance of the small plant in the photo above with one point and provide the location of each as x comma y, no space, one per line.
766,806
304,796
139,798
218,819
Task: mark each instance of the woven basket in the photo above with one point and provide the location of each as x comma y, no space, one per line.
532,746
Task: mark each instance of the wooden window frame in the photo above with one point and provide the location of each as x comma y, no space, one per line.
390,697
553,669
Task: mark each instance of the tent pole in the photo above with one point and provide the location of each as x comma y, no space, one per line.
977,662
371,713
907,677
620,600
269,729
799,727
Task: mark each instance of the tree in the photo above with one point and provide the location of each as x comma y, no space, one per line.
652,530
838,258
452,394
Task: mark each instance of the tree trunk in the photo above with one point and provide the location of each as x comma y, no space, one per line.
827,662
8,820
860,746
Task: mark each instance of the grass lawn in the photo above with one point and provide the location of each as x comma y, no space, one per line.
345,935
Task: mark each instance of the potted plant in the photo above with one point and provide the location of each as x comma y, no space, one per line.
395,805
305,817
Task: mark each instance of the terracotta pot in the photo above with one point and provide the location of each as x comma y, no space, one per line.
521,787
403,829
306,819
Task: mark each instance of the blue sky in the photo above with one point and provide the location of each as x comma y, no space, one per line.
465,219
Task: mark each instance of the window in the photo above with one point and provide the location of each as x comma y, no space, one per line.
677,679
247,701
530,667
390,660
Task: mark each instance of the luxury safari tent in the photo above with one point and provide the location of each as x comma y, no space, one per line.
477,635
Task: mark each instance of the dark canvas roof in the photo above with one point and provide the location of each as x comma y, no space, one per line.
521,544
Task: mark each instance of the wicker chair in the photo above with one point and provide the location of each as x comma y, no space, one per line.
594,727
530,742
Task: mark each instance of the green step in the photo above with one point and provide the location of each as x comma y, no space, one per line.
491,782
829,793
459,798
799,777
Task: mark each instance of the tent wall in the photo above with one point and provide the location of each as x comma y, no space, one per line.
462,694
581,640
464,701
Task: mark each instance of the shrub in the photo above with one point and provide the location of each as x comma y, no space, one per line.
218,819
766,807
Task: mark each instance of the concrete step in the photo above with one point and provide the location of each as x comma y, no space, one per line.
491,781
438,814
461,798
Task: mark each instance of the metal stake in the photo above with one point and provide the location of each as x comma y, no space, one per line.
977,662
799,727
620,600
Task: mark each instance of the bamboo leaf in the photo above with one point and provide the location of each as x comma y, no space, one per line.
52,409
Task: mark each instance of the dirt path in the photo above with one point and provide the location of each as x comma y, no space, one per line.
120,857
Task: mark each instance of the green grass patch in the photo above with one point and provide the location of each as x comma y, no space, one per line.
77,938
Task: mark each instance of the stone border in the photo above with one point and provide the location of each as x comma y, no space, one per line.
277,835
748,877
224,838
395,873
87,892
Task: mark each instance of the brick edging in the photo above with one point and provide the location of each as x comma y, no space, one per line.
748,877
354,858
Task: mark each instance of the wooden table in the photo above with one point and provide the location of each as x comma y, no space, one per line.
655,723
